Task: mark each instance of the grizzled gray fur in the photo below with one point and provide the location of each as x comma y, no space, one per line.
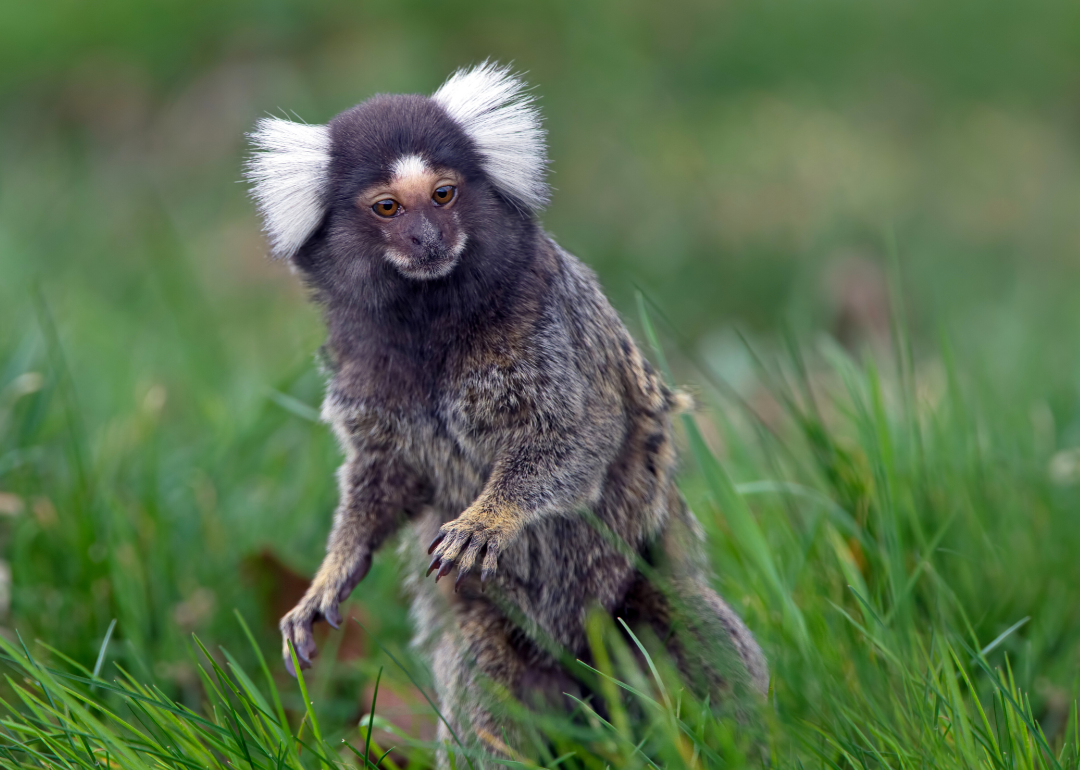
487,397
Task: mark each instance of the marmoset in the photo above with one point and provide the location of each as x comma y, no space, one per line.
485,393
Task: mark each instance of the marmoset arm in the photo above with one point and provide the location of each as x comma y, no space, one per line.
378,491
558,439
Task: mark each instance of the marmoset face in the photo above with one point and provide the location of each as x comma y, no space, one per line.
417,183
415,215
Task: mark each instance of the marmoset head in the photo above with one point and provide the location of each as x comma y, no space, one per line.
404,181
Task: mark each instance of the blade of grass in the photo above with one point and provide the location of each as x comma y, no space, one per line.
371,717
274,695
309,707
101,653
1002,637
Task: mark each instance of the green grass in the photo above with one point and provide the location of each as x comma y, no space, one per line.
899,547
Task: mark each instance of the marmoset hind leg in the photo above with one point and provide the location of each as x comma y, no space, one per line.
483,664
706,638
713,649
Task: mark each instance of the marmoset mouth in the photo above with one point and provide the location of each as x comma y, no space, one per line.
424,264
427,261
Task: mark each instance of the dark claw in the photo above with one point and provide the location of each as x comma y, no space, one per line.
433,565
485,576
300,656
435,543
446,567
460,577
333,617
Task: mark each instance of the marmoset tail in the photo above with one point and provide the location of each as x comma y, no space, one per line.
487,396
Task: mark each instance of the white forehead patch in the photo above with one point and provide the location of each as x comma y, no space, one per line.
409,166
289,176
491,104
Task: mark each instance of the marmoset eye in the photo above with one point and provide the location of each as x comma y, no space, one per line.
444,194
386,208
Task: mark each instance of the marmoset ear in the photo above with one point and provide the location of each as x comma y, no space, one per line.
290,181
490,103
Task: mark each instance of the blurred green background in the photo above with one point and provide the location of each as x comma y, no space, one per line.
755,167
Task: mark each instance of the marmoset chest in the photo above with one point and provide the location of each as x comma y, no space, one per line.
448,414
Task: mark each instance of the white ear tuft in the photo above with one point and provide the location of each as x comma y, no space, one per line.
289,176
491,105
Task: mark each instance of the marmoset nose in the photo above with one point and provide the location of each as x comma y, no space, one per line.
421,231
